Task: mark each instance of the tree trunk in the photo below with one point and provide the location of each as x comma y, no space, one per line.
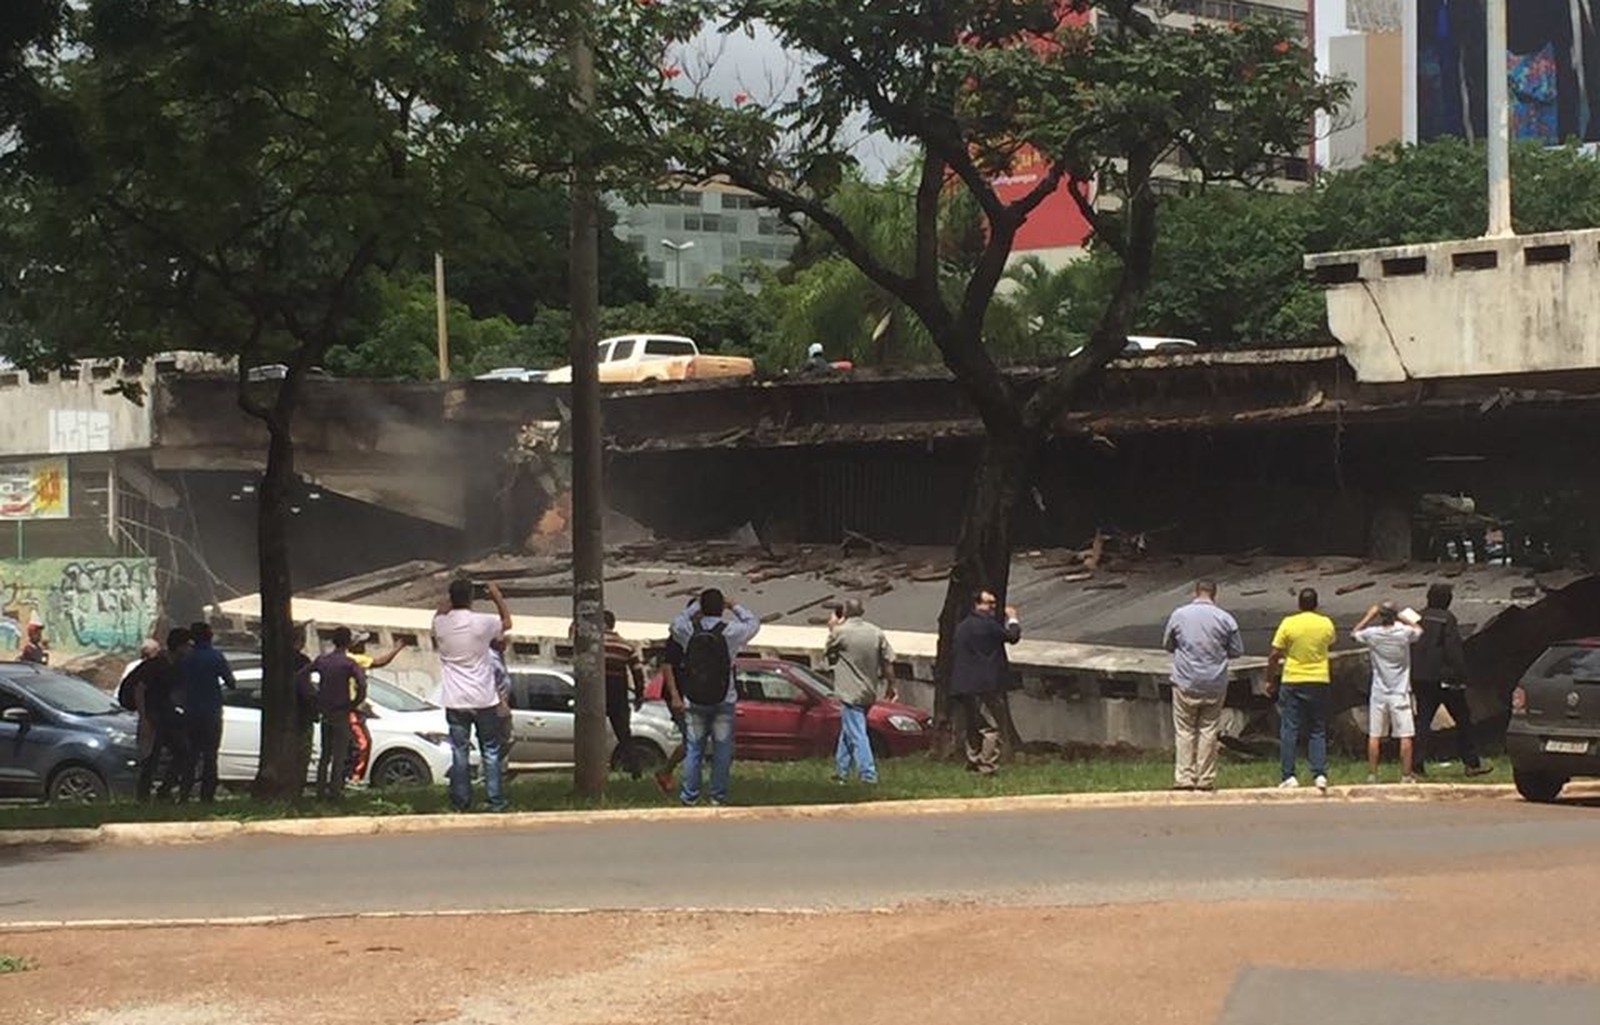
282,771
983,548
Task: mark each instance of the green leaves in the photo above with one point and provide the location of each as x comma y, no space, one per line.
227,176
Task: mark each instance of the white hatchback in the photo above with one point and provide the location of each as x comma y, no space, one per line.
410,738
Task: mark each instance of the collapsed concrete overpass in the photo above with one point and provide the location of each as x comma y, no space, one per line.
1291,438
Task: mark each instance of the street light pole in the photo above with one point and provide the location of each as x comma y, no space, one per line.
677,249
588,487
1499,108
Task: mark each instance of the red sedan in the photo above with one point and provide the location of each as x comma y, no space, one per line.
788,711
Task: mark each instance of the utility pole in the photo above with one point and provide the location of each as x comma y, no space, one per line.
1499,111
439,312
588,489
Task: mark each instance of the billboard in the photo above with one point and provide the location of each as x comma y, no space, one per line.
35,490
1552,66
1056,223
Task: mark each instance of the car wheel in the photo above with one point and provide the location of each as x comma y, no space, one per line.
650,757
880,747
1542,787
77,784
401,769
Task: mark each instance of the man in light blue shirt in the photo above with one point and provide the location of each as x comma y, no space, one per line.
709,715
1201,637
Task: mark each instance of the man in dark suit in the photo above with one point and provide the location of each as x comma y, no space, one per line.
980,677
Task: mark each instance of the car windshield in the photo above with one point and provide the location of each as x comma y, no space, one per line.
69,694
392,697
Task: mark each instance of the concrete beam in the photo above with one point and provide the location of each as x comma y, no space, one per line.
1494,306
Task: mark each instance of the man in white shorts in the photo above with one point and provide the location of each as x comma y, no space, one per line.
1388,639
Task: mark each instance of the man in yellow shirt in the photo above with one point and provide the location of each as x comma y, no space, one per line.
1300,648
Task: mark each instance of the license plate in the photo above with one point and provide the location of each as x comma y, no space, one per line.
1567,747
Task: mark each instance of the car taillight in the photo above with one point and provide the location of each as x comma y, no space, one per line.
1519,701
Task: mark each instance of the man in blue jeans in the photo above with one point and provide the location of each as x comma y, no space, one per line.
462,639
711,635
1300,651
860,655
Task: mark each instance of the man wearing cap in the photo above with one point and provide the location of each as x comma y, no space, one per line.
1389,641
816,362
35,648
860,656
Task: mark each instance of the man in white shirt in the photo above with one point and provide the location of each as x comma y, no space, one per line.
462,639
1389,709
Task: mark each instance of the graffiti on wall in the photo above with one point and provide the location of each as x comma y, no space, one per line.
87,605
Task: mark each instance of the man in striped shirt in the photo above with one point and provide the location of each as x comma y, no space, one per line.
624,691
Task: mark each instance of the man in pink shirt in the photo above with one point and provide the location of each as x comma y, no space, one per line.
462,640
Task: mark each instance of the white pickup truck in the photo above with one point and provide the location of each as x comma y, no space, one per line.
633,358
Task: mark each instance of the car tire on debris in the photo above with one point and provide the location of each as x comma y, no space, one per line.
1542,787
77,784
400,769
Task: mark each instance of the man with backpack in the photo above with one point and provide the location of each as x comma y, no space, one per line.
711,634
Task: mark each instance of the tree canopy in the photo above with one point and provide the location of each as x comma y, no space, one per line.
1090,97
240,178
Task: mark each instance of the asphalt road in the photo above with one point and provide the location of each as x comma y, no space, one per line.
1302,851
1317,912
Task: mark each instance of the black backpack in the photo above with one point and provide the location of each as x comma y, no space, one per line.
706,666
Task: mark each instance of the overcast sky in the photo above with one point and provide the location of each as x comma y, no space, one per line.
759,66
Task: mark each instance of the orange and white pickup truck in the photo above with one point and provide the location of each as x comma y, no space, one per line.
635,358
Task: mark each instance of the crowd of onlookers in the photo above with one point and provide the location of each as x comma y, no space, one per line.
177,691
1418,665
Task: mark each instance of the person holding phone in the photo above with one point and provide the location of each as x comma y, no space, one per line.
462,638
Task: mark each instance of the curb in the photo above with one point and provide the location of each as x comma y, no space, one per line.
150,833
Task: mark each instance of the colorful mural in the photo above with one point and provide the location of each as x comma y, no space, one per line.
88,606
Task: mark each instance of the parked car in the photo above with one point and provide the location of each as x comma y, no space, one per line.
410,738
634,358
1554,733
543,699
519,374
788,711
279,371
1149,345
63,739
